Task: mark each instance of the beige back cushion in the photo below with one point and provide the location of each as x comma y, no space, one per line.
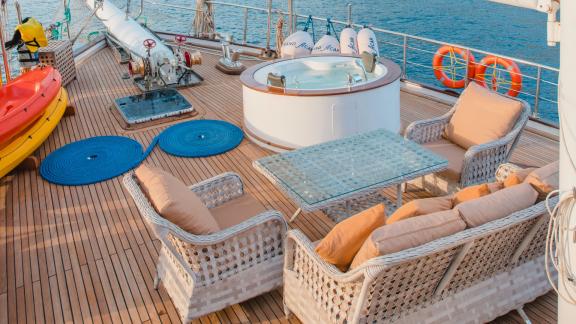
497,205
481,116
175,202
408,233
545,179
495,186
471,192
344,240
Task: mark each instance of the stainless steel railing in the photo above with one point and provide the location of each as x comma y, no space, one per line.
413,51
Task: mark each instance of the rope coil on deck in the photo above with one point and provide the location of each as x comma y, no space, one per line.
91,160
200,138
101,158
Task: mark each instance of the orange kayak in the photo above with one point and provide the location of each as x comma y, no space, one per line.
23,100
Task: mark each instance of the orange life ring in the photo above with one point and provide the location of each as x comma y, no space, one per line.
515,83
440,71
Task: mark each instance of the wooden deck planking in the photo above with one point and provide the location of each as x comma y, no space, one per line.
84,254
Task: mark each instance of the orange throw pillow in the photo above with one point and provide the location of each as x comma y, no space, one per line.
174,201
517,177
343,242
470,193
420,207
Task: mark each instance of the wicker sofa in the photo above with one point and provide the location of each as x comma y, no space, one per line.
480,161
206,273
472,276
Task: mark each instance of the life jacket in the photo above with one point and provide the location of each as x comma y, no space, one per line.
32,34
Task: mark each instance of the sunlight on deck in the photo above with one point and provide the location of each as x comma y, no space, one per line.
85,254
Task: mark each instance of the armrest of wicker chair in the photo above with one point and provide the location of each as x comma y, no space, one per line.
428,130
335,292
481,161
220,255
219,189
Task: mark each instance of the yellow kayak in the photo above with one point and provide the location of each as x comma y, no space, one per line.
25,143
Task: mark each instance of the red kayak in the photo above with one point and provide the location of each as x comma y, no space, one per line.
24,99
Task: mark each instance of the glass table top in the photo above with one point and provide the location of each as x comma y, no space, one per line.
334,169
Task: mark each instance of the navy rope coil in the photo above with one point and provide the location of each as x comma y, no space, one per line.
91,160
101,158
200,138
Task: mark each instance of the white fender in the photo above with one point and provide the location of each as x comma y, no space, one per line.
298,44
348,41
367,42
328,44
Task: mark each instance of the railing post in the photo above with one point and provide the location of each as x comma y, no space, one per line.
127,9
4,53
269,29
537,94
18,11
245,30
349,14
467,67
290,17
404,57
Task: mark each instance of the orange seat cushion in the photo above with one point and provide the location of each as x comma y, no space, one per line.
545,179
497,205
470,193
174,201
451,152
420,207
408,234
481,116
344,240
237,210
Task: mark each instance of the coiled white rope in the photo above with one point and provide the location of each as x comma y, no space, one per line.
560,242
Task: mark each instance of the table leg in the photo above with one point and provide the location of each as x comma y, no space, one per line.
398,195
298,211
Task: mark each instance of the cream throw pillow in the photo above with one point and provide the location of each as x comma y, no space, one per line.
482,116
174,201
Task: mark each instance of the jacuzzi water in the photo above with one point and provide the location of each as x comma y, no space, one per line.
321,73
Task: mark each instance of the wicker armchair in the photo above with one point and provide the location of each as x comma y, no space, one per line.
472,276
206,273
480,161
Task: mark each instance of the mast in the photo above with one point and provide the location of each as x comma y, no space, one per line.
567,114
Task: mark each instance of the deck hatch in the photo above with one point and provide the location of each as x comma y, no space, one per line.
152,105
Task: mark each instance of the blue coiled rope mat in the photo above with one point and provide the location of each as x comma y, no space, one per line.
101,158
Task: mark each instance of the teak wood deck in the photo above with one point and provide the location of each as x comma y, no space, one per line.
84,254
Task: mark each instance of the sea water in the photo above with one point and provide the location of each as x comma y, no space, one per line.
480,24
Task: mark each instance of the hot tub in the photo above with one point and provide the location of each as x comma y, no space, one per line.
324,98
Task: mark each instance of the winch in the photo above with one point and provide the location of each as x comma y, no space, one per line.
229,63
153,65
150,72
